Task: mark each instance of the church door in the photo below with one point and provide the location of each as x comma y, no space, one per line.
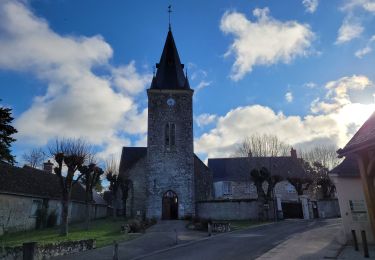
170,205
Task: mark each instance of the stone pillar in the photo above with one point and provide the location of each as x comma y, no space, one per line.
305,206
279,207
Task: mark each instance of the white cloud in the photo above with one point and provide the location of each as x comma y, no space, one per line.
77,102
348,31
367,49
335,126
202,84
310,85
127,79
289,97
338,93
265,41
310,5
367,5
205,119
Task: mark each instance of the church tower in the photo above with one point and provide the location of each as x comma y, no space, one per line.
170,152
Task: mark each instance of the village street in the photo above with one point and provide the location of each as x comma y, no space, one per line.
290,239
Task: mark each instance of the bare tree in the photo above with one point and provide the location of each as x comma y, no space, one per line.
262,145
35,157
125,185
72,154
318,161
112,175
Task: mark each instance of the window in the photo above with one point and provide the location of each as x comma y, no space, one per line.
37,204
170,135
227,188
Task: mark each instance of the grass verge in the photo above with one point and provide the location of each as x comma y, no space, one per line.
104,231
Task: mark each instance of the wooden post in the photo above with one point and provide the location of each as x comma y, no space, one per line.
29,250
115,250
355,240
365,168
365,246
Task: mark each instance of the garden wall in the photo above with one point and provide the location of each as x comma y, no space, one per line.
328,208
46,251
228,209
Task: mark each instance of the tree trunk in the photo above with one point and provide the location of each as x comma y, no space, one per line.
64,215
124,207
114,206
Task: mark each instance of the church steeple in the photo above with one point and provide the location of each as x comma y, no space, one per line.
170,74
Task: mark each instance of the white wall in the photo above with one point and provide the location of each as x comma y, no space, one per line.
351,189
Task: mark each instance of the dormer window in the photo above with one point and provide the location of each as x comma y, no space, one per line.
170,135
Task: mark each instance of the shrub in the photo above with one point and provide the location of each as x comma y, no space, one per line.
52,219
135,226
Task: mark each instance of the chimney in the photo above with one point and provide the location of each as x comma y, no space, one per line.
293,153
48,166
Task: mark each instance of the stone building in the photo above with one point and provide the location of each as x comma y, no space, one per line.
25,190
166,177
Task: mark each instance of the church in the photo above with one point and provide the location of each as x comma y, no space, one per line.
166,177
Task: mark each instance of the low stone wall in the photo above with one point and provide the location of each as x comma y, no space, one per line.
328,208
228,209
49,250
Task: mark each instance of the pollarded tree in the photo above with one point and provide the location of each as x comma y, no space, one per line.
6,132
112,175
260,177
72,154
90,177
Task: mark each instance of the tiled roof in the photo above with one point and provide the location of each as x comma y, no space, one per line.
238,169
364,138
131,155
348,168
32,182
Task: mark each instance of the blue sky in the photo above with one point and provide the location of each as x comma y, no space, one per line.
300,69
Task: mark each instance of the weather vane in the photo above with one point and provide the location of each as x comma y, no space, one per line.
169,15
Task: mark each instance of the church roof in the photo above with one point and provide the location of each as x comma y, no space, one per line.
364,138
131,155
348,168
238,169
170,74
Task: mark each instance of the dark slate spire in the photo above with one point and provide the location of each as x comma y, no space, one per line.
170,74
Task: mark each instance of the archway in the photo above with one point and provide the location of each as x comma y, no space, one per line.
170,205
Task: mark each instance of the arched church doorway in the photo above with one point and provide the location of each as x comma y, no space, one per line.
170,205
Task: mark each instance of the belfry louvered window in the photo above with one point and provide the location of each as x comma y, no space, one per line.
170,135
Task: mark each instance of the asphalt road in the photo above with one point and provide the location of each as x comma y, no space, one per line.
246,244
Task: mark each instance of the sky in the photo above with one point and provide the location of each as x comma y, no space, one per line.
298,69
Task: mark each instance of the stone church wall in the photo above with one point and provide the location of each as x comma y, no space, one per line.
203,181
136,203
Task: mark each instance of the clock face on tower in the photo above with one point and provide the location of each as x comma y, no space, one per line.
171,102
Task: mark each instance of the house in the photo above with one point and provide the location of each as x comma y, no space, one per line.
166,177
351,198
232,180
361,197
25,190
